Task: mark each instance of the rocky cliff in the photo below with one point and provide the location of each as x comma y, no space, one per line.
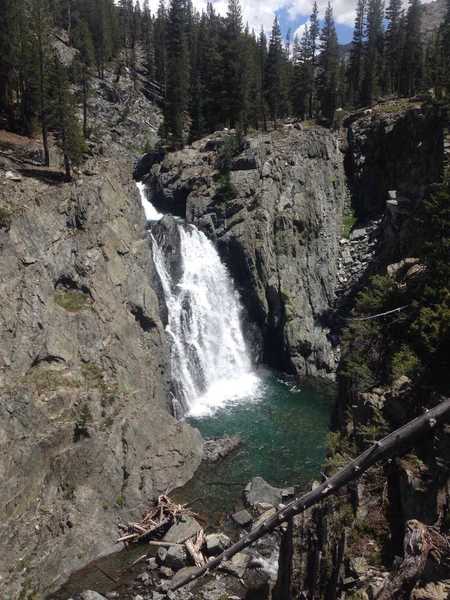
275,213
86,432
387,536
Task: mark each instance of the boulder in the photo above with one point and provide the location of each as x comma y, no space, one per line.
267,515
161,555
258,491
166,572
216,543
186,528
176,558
90,595
182,573
243,518
146,162
218,448
237,565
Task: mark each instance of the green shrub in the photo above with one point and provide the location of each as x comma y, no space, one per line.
404,362
348,223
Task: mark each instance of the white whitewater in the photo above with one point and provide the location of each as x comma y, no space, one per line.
211,364
151,214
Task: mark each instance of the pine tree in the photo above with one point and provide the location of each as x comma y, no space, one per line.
373,59
412,63
8,66
356,67
445,51
275,90
178,76
212,71
314,32
261,61
300,89
147,37
40,22
160,45
85,61
328,67
62,116
235,91
393,46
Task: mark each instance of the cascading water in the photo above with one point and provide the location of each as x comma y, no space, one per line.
211,364
210,361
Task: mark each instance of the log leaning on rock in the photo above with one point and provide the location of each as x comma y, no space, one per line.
394,444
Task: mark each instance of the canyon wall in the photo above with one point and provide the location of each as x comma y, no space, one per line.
275,214
86,432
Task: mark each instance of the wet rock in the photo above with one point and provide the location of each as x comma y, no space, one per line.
166,572
288,493
161,555
237,565
90,595
258,491
152,564
13,176
176,558
216,543
262,507
182,574
264,517
144,578
186,528
358,234
242,518
218,448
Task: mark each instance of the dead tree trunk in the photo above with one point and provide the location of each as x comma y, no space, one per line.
393,444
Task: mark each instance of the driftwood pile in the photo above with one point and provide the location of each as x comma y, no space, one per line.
156,522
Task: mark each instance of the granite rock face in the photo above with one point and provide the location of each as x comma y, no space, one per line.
278,232
86,432
400,150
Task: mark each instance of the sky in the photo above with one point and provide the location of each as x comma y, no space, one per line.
292,14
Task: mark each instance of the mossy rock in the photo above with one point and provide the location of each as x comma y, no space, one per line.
72,300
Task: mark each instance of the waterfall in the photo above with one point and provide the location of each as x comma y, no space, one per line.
210,361
151,214
211,364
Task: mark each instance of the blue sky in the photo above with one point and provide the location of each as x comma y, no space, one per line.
287,22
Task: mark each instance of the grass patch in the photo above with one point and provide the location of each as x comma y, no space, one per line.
404,362
394,106
348,223
50,380
72,300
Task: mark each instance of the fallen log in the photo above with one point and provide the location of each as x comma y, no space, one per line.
194,549
393,444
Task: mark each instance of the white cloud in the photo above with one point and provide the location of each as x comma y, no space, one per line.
261,12
255,12
300,31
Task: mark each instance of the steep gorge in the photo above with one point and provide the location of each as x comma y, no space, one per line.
278,231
